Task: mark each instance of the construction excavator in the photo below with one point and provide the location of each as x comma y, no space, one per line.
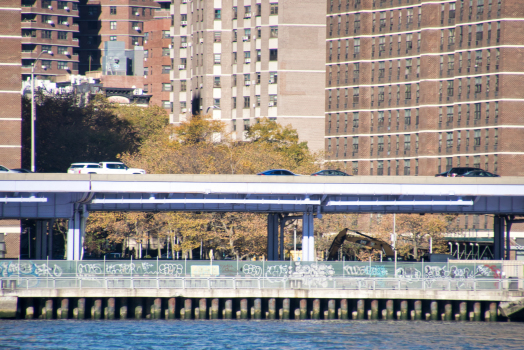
364,241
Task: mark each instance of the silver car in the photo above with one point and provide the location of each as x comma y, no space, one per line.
75,167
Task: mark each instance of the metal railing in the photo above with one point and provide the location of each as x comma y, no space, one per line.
232,274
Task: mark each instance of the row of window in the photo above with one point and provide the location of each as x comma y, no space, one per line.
135,11
61,20
217,36
61,5
273,10
217,58
149,53
47,64
113,25
45,34
246,103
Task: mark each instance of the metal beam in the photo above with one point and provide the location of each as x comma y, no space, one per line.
399,203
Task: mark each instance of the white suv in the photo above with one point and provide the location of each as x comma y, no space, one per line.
75,167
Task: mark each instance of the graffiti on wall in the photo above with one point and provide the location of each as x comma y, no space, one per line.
314,275
29,269
371,271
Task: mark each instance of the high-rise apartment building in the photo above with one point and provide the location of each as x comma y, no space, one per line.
10,113
241,60
414,87
111,20
49,37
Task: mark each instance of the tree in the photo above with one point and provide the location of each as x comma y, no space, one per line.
67,133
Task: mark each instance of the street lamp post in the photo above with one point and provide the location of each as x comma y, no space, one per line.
33,111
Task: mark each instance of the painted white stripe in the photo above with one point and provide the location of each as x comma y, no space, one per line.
10,36
10,146
11,119
427,131
10,9
10,64
429,157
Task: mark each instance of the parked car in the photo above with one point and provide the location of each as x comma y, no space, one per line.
277,172
479,173
76,167
3,169
108,168
20,170
456,172
330,173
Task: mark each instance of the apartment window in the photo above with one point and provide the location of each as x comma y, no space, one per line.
46,34
409,65
112,25
217,37
216,103
167,87
217,58
247,11
27,33
259,55
273,77
165,51
112,10
259,10
135,40
450,88
235,33
61,50
216,82
355,144
354,168
272,100
409,41
273,54
258,100
62,65
356,23
356,47
478,84
247,34
113,38
234,102
235,12
166,104
47,64
273,9
407,142
166,34
408,91
218,14
247,79
183,85
407,167
407,117
478,111
476,139
273,32
146,71
166,69
356,95
355,119
479,33
246,102
451,36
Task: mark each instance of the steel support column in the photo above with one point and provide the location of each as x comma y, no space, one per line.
308,239
498,237
75,234
272,236
509,222
50,238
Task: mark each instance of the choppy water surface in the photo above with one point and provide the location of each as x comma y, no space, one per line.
68,334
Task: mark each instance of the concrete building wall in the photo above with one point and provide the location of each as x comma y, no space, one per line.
242,60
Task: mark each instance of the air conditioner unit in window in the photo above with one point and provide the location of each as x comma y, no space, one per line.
247,15
66,68
248,60
183,45
137,13
137,28
183,110
245,38
50,22
247,83
201,40
44,67
50,7
66,8
184,1
183,23
66,53
270,104
181,66
65,23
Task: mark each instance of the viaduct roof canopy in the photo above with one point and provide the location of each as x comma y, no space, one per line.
57,195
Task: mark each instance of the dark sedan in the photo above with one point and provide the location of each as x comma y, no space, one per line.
458,171
479,173
330,173
277,172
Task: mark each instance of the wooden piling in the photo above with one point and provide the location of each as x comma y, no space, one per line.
110,315
303,309
64,309
428,316
418,310
197,313
49,309
326,314
404,310
316,309
448,311
297,314
477,307
243,309
285,309
188,307
360,309
202,307
472,316
214,308
228,310
374,309
384,314
258,309
354,315
390,309
344,309
493,312
487,316
29,313
171,307
434,310
272,313
182,314
331,309
463,311
81,308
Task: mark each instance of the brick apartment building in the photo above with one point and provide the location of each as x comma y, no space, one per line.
49,34
111,20
241,60
414,87
10,113
157,61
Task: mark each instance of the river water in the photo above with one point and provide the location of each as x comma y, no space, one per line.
149,334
